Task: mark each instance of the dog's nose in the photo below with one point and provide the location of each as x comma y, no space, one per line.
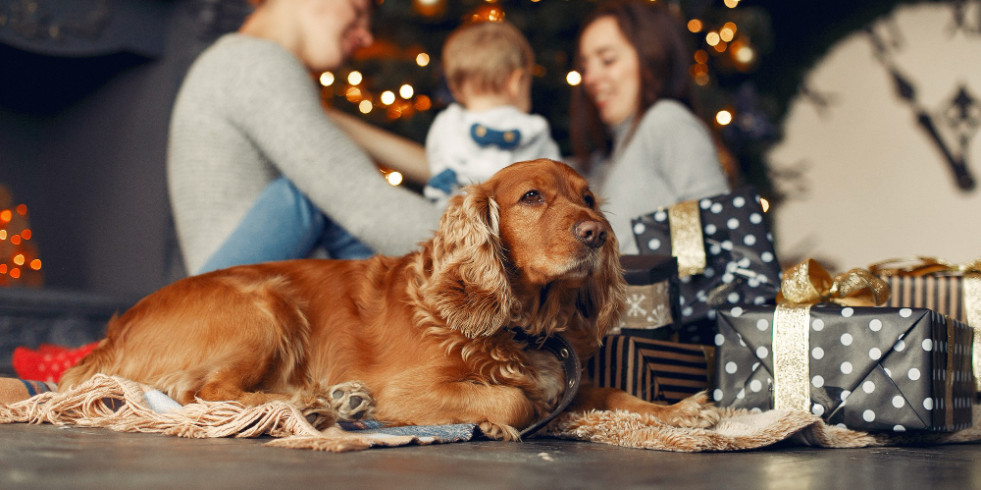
592,233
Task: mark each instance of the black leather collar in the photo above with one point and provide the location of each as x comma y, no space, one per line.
558,346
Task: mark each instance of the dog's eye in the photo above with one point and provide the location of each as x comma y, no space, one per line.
532,197
590,200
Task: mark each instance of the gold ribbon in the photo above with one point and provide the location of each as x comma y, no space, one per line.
923,266
972,312
808,283
687,243
971,272
803,286
791,371
949,392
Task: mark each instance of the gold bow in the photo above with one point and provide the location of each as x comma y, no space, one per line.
923,266
808,283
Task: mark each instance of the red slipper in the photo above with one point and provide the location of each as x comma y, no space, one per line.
48,362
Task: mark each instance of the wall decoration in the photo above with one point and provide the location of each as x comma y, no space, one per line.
876,159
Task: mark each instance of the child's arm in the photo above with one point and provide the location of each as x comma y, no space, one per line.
387,149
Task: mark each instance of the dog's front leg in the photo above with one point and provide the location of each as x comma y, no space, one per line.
500,411
694,411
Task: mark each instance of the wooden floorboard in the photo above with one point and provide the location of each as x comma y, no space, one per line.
49,457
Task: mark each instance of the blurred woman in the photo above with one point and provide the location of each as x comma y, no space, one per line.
257,171
633,127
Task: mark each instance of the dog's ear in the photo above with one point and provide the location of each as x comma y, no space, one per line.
601,300
469,286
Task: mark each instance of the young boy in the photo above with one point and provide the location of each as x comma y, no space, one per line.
488,69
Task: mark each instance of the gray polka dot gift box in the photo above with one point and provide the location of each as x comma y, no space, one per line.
725,255
863,367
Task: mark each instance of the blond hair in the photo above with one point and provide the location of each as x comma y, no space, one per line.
483,55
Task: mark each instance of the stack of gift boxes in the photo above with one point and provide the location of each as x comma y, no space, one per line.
709,308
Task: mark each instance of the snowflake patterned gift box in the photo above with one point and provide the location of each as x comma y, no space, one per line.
651,309
867,368
725,255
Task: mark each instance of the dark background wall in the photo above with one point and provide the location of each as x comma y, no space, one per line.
83,133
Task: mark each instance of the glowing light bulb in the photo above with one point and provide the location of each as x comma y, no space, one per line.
406,91
745,54
394,178
422,59
387,97
573,78
423,103
354,77
723,117
326,79
712,38
365,106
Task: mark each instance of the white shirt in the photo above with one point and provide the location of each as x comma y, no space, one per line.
473,146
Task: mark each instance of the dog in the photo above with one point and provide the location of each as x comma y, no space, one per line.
423,339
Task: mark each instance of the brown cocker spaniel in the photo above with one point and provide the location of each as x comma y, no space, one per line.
427,338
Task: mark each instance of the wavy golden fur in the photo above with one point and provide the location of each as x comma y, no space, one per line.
428,335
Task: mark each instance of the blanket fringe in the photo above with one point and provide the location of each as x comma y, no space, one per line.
119,404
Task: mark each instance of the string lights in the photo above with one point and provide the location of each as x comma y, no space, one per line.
20,263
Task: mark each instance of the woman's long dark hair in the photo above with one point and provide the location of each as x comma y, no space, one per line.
664,54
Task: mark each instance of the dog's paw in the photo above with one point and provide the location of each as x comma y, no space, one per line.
499,432
323,405
694,411
351,401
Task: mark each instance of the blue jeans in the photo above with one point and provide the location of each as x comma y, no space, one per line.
283,224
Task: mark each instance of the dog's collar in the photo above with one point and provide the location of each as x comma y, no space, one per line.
558,346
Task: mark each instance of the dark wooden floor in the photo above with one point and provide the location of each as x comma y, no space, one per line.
49,457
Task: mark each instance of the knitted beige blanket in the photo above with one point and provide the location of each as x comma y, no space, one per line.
123,405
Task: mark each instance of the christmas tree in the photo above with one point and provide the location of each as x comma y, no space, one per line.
396,82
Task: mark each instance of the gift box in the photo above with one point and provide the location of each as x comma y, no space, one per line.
652,296
867,368
949,289
926,282
725,255
653,370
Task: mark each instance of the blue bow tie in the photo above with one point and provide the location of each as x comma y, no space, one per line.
484,136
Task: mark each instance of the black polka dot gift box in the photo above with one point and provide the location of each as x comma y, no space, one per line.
866,368
725,256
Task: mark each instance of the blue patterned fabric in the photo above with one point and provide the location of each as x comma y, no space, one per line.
440,433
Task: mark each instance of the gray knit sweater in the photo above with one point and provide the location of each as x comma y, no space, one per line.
669,159
247,112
